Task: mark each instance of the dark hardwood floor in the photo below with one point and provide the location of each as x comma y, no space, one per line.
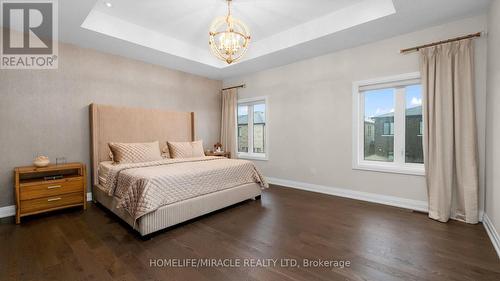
380,242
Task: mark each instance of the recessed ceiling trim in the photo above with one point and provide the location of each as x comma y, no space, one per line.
348,17
124,30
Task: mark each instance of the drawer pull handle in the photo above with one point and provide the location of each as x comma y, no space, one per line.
53,186
54,199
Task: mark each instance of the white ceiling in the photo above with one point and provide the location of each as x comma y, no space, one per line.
182,30
174,33
188,21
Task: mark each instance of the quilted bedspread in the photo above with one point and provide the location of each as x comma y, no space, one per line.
142,188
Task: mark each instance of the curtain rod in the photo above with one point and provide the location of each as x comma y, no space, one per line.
414,49
234,87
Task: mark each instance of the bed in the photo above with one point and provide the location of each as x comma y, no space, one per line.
156,195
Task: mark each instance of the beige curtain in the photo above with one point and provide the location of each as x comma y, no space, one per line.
450,139
228,125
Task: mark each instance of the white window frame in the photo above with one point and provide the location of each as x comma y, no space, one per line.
399,165
251,155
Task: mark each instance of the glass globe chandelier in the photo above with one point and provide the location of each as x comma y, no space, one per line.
228,37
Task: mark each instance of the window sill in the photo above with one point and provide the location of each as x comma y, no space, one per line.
408,169
253,156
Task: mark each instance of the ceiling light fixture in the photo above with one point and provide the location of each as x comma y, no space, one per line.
228,37
108,4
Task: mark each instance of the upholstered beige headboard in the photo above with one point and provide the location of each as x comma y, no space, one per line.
122,124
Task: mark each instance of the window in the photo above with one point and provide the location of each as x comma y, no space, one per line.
252,129
414,125
388,129
242,128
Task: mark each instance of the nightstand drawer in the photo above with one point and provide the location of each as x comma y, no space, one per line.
28,206
51,189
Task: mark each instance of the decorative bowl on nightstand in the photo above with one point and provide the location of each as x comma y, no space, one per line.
41,161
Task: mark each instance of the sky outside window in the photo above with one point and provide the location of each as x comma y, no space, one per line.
378,102
413,96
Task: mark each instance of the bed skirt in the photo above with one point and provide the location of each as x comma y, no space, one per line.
178,212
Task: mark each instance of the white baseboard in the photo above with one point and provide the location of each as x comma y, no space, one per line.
492,233
416,205
9,211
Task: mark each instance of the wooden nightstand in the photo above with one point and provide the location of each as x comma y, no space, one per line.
37,191
213,153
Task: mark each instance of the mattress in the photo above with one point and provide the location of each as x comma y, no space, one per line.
103,170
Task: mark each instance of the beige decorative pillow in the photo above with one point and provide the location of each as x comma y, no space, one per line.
135,152
186,149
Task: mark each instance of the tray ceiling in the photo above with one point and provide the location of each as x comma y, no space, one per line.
174,34
180,28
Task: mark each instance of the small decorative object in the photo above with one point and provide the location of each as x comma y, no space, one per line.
60,160
218,147
41,161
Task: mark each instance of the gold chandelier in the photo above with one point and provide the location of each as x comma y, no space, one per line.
228,37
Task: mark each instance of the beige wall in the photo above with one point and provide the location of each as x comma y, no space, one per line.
310,111
493,117
46,111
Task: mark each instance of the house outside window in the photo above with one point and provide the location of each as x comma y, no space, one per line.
388,125
251,128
